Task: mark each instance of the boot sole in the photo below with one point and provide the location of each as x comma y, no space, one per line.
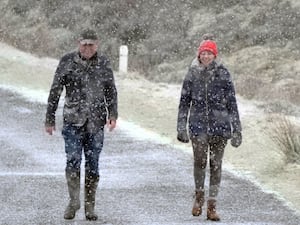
213,219
93,218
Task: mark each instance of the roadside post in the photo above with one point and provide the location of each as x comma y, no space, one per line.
123,59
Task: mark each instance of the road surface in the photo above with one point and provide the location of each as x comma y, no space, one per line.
143,181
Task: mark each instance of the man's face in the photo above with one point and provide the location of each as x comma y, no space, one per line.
87,50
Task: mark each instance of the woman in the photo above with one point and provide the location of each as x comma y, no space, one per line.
209,105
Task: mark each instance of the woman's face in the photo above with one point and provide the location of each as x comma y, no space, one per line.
206,57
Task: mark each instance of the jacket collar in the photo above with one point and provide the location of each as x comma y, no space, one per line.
197,63
84,62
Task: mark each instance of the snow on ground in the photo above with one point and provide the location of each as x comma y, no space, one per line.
151,114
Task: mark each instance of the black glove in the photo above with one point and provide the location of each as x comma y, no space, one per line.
236,139
182,136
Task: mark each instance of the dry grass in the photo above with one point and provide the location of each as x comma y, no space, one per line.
262,38
286,135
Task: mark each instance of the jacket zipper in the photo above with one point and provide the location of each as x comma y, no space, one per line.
206,103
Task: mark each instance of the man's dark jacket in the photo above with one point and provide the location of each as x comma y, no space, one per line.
208,102
91,95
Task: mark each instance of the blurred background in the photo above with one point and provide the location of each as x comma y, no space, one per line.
258,41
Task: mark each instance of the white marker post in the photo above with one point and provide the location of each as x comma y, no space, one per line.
123,60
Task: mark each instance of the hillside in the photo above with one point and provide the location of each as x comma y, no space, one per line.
259,41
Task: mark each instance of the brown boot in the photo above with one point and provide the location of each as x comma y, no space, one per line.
91,184
73,181
198,203
211,210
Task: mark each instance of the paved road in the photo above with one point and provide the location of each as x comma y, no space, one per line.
142,182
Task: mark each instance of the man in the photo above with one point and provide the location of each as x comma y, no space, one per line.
90,103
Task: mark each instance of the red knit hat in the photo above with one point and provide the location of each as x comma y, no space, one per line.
208,45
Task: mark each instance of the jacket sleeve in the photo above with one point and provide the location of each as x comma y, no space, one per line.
55,93
110,92
232,105
185,102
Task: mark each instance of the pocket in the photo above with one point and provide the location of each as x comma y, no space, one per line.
71,111
221,115
71,107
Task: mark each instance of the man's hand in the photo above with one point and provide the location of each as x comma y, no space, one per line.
111,124
236,139
50,129
182,136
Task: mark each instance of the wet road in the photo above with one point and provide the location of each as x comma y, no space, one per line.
142,182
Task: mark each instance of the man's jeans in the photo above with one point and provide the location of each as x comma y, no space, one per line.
78,139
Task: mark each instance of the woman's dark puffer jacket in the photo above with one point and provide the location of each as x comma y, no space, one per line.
208,102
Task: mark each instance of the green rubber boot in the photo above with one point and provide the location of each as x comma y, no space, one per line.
73,182
91,184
